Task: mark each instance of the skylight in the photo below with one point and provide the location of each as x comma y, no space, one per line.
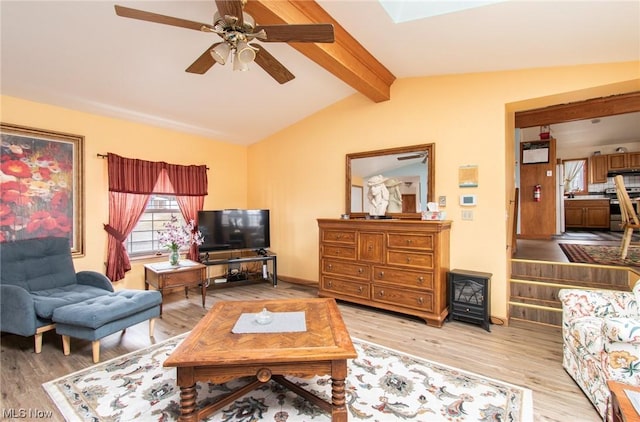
408,10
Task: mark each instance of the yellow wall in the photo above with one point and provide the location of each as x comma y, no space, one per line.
227,165
299,172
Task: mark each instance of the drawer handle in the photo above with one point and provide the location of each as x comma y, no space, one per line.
420,300
408,260
420,279
360,289
467,310
360,270
381,293
381,274
338,252
330,266
330,284
409,241
370,247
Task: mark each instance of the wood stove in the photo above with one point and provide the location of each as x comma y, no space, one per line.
469,297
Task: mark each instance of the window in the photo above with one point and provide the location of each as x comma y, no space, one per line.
575,176
143,240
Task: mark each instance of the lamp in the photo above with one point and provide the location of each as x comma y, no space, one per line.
244,53
239,64
220,52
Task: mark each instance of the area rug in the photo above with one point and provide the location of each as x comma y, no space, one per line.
601,255
382,385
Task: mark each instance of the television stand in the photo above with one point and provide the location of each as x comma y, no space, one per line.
241,257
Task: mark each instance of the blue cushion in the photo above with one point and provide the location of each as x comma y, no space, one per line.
46,301
36,264
95,312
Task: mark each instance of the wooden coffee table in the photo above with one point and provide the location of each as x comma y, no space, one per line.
213,353
622,409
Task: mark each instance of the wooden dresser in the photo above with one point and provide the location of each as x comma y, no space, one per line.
398,265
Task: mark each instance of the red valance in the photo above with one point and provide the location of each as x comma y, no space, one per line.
131,175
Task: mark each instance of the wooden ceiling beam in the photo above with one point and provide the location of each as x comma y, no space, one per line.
580,110
346,58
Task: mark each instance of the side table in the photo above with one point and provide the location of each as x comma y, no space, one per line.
163,276
622,409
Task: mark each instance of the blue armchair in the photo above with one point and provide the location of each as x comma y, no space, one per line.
36,277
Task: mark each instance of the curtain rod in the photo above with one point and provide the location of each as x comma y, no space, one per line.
105,156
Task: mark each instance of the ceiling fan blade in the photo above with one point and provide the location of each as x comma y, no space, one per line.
230,8
271,65
127,12
412,156
203,63
317,32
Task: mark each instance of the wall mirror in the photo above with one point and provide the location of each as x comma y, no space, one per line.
409,169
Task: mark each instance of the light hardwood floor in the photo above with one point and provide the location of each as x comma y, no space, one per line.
525,354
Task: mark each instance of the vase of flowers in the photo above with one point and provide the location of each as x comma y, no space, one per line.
174,237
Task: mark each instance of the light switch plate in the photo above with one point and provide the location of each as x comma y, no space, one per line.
467,215
442,201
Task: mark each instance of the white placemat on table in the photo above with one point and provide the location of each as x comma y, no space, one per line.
282,322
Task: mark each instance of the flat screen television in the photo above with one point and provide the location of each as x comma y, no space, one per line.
234,229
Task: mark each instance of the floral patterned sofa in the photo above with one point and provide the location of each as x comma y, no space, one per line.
601,340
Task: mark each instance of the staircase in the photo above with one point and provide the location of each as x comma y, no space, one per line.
534,286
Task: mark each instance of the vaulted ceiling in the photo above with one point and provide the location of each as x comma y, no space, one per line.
80,55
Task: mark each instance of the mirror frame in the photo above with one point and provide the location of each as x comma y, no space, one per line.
430,148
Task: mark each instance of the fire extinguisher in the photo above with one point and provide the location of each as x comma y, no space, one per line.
537,193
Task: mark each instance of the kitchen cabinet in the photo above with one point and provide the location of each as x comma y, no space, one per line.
618,161
397,265
586,213
598,166
623,161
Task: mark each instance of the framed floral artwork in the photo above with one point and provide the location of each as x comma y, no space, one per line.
41,191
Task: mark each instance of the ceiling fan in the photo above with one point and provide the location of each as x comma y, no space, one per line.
237,28
424,155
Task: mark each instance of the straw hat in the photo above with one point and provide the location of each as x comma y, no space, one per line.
376,180
392,182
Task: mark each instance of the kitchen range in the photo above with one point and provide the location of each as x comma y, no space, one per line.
615,217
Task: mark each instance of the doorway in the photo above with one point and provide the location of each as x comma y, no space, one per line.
409,202
563,113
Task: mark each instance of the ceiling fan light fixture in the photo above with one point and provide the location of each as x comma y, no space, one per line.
220,52
245,53
239,64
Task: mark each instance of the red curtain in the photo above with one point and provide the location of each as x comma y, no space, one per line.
125,210
189,206
131,181
188,202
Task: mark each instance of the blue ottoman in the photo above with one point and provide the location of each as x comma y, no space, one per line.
101,316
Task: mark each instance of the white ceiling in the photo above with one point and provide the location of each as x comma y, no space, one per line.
601,132
80,55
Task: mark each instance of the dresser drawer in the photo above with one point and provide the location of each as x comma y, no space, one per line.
341,236
181,278
419,279
401,297
420,241
408,259
333,251
346,287
346,269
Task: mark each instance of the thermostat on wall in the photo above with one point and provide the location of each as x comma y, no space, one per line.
468,200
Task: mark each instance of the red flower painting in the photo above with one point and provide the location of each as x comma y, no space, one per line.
36,182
